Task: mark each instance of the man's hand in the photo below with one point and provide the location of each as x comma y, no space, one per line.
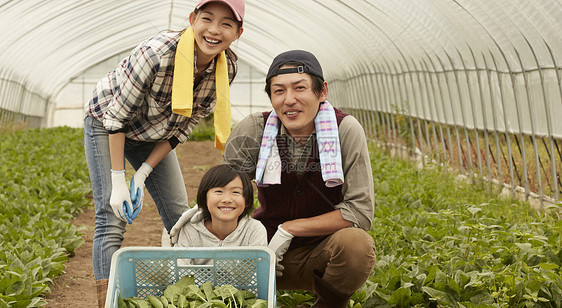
192,215
137,189
280,244
120,199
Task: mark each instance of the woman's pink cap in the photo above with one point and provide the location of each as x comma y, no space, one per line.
237,7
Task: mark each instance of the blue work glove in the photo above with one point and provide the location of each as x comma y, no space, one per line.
137,190
120,199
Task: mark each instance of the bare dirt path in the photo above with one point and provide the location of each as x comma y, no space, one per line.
76,287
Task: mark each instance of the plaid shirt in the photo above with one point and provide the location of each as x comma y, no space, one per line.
136,96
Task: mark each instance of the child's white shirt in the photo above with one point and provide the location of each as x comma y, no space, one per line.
249,232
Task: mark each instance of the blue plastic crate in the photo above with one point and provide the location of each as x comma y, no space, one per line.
143,271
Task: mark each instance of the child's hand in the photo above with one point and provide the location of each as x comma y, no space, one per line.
192,215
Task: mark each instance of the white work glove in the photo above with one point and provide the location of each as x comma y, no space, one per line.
193,215
137,189
280,244
120,199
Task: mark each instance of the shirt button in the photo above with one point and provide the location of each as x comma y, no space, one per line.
299,192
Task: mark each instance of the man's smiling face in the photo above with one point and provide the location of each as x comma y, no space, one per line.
295,102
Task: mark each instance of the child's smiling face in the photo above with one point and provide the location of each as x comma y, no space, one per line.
226,203
215,28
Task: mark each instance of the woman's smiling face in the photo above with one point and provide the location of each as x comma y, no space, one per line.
215,28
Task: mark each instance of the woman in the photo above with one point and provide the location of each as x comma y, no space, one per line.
143,109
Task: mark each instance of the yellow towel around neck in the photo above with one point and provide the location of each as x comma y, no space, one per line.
182,87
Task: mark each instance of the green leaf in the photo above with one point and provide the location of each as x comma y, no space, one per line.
185,281
359,296
474,210
225,291
207,289
548,266
400,297
239,296
524,247
182,301
194,293
259,303
15,288
435,294
155,301
287,299
302,298
172,293
137,302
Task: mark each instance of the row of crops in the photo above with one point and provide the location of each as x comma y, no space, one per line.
44,182
441,242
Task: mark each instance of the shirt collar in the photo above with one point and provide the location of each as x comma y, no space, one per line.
211,66
283,132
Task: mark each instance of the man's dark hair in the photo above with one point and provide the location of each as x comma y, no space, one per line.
317,82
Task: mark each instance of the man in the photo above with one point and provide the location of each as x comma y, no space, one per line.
315,186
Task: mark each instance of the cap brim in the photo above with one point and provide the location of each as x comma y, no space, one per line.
236,14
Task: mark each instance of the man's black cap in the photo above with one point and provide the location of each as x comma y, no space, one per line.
310,64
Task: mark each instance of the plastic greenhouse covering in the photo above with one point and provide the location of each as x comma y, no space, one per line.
479,66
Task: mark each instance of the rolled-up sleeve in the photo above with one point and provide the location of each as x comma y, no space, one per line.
358,191
243,145
129,83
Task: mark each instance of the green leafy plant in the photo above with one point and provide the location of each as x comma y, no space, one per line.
185,293
445,242
294,298
202,133
441,241
44,184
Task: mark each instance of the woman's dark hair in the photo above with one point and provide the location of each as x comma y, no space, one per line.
317,82
220,176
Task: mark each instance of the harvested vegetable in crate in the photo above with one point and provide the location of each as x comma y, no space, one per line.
185,293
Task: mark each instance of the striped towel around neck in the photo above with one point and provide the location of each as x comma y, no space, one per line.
268,169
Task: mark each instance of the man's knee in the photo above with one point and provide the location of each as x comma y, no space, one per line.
352,259
354,242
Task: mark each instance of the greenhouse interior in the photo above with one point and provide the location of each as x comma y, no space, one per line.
460,104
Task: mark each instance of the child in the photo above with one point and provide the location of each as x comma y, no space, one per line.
144,108
225,199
